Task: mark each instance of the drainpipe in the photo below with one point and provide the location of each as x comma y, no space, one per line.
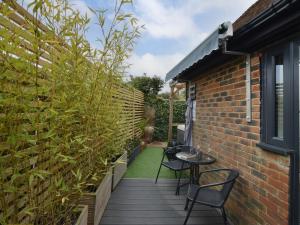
248,78
294,192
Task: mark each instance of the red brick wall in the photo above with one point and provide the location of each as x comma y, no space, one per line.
260,195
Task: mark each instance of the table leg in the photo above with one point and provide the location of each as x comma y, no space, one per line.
191,174
197,174
178,182
194,174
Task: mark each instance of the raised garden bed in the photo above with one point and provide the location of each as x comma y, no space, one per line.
97,201
134,154
119,169
79,216
83,216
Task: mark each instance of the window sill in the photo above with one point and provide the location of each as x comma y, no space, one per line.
275,149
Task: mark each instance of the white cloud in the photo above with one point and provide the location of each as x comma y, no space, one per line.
163,21
194,40
169,21
197,7
153,64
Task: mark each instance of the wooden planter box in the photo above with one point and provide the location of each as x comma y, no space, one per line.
98,200
119,169
83,217
134,154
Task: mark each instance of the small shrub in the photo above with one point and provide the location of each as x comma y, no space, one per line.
151,86
162,118
131,144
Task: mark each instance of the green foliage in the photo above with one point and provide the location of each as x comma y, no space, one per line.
180,96
150,86
131,144
162,117
60,120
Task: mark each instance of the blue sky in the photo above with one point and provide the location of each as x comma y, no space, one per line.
172,28
176,27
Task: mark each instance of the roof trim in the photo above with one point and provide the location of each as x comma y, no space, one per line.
210,44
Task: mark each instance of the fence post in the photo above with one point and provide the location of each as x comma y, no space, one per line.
170,132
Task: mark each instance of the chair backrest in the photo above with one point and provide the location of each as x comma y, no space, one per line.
230,180
171,153
172,143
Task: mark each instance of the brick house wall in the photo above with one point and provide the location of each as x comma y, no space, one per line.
260,195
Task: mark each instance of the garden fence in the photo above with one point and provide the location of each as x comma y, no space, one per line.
19,158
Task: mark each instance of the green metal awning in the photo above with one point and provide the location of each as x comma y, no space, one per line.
210,44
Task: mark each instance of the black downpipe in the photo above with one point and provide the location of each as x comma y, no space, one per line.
294,192
294,218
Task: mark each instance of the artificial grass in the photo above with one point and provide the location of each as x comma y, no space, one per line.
146,165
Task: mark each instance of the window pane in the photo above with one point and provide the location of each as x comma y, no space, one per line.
279,96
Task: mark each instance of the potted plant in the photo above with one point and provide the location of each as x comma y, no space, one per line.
149,126
82,218
96,198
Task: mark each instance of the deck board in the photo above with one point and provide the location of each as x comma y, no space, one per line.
141,202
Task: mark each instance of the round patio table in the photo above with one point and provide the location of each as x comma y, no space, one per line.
195,159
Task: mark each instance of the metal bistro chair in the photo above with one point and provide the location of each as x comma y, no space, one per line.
204,195
173,163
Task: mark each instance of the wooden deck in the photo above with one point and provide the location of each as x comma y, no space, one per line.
141,202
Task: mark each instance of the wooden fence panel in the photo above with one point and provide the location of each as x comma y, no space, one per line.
18,25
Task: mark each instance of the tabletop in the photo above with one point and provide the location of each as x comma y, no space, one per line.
195,158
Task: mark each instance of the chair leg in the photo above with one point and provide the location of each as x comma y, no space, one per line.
161,162
224,215
189,213
187,201
158,173
178,183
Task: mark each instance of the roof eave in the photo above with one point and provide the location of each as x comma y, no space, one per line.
253,35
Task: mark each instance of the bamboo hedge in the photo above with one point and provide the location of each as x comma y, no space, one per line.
64,110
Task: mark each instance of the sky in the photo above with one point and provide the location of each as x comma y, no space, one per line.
173,28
